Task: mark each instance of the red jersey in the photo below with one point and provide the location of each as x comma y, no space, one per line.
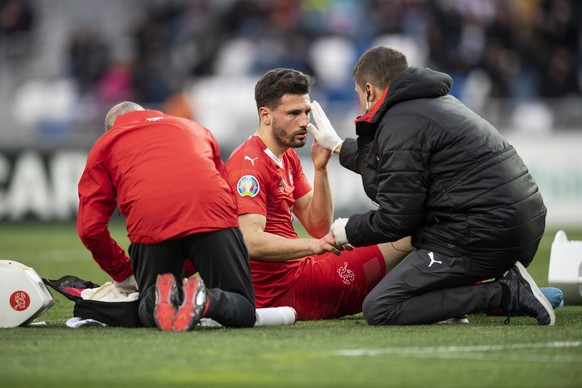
265,185
164,173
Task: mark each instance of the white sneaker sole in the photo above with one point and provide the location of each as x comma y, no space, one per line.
454,321
537,292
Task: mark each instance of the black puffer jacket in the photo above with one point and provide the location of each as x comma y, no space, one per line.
443,175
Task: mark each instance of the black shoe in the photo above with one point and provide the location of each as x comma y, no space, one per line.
526,297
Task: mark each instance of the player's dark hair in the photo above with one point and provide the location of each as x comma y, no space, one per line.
379,66
278,82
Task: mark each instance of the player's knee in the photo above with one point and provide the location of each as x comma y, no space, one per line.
376,312
372,311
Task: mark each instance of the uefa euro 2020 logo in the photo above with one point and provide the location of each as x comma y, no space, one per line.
248,185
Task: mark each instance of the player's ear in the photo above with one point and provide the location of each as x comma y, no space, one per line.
370,92
265,115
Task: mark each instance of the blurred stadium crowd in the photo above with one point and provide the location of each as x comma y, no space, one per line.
64,62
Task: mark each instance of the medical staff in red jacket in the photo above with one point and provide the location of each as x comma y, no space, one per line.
165,175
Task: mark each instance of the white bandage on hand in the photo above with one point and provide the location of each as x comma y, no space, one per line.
127,286
338,229
324,132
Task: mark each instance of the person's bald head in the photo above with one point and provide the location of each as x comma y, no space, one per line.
118,110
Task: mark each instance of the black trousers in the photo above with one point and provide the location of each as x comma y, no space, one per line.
427,287
222,260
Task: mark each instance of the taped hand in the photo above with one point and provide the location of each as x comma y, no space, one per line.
338,229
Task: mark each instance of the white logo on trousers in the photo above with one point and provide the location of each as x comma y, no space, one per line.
432,260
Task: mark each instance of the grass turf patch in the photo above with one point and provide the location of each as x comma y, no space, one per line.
343,352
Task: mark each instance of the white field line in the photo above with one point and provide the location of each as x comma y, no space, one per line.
475,352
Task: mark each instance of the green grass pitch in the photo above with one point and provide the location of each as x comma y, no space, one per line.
334,353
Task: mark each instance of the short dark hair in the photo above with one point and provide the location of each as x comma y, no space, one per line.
278,82
379,66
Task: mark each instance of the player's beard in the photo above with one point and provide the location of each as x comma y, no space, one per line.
287,139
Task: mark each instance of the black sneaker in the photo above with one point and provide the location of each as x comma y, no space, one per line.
526,297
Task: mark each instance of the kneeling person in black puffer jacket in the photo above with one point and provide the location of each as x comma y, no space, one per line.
446,177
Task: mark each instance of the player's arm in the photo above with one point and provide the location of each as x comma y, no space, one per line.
271,247
315,209
96,204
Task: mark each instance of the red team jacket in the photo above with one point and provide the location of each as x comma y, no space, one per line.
164,173
268,186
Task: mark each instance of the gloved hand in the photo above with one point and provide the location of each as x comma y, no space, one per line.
338,229
324,132
127,286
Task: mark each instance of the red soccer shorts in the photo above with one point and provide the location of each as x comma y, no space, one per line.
331,286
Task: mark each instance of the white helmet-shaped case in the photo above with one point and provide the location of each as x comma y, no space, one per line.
23,295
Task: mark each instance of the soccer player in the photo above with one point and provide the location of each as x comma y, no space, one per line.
312,275
164,173
445,176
